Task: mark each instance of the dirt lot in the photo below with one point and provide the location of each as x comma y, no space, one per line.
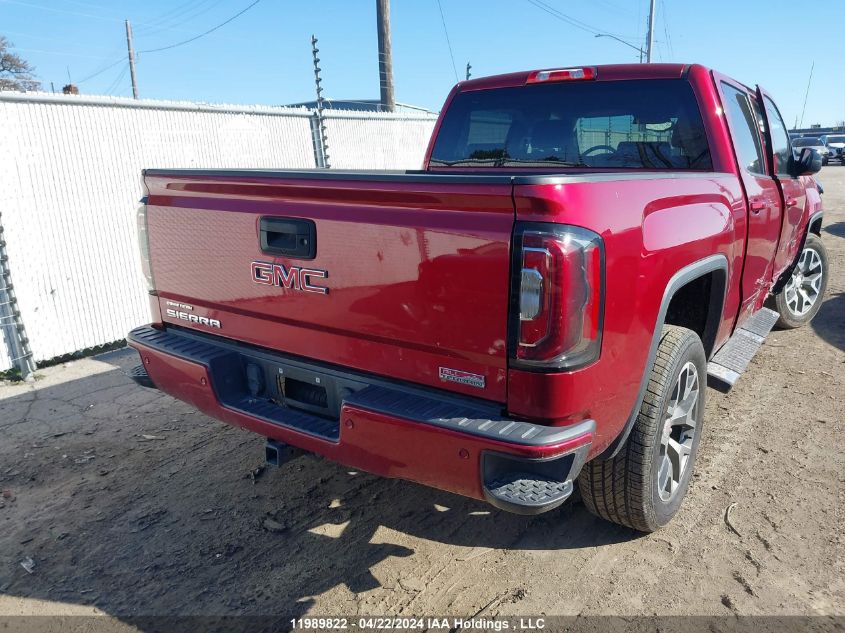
127,502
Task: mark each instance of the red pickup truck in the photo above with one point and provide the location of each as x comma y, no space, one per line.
544,302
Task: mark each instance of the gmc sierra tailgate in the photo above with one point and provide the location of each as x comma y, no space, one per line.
400,275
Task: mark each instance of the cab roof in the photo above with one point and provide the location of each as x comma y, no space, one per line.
606,72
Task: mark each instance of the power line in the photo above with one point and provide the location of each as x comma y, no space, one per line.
560,16
53,9
615,8
108,65
62,53
448,42
173,19
101,71
666,30
807,93
85,15
578,24
87,5
173,12
209,31
193,16
114,85
154,25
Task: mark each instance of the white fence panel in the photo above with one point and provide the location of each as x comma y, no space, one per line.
70,183
5,360
69,188
377,141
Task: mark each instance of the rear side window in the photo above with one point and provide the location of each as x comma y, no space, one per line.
635,124
745,129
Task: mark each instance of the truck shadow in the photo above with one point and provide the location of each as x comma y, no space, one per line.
837,229
127,500
829,323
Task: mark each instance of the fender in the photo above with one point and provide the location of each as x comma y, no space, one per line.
717,262
816,217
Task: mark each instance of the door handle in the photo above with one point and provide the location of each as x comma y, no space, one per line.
757,206
292,237
791,202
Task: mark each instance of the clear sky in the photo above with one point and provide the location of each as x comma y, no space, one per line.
264,55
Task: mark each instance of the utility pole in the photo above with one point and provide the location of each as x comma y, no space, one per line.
469,68
385,57
131,59
650,38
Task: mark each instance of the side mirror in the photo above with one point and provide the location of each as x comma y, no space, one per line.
809,162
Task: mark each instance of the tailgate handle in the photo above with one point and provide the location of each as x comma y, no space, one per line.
292,237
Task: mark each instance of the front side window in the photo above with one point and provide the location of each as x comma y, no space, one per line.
635,124
780,138
745,130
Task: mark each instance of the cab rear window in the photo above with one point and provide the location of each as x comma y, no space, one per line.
634,124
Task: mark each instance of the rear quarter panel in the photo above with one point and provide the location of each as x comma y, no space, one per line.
652,227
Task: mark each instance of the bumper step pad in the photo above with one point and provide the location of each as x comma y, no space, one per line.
140,376
526,493
731,361
527,485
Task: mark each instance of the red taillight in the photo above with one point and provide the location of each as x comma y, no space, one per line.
560,294
561,74
144,245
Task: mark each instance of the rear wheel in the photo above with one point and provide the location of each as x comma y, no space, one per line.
643,486
801,298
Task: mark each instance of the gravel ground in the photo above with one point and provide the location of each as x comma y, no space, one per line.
127,502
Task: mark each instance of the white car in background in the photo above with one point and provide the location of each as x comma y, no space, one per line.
812,142
835,144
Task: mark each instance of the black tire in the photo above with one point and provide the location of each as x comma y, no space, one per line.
784,302
625,488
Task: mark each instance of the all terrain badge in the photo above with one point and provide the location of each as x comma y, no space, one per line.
461,377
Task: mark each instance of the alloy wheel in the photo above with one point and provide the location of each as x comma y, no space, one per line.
679,428
804,286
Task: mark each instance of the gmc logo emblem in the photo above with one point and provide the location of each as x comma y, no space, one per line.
293,278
